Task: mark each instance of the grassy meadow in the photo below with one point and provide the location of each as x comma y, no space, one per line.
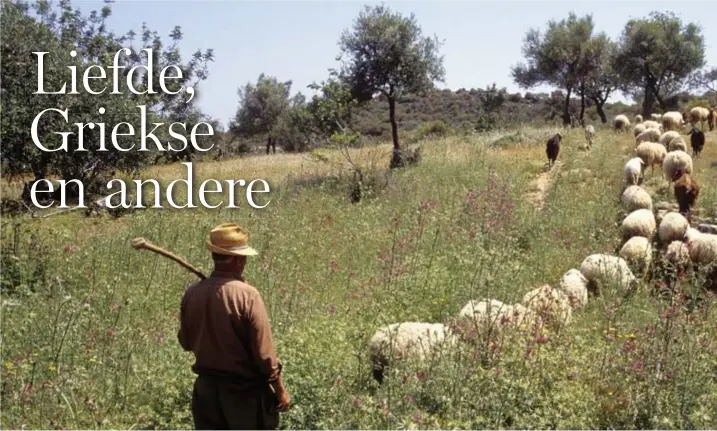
89,325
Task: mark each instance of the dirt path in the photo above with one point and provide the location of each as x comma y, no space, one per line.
540,185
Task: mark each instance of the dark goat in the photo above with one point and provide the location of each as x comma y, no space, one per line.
697,141
552,149
686,192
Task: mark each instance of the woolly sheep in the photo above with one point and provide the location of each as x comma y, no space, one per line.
672,121
552,305
649,135
590,135
621,122
702,247
575,286
399,341
675,160
668,136
638,119
638,223
635,198
633,170
653,125
656,117
698,114
673,227
484,317
604,269
639,128
677,143
678,255
651,153
638,250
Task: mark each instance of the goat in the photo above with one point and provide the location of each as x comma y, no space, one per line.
552,149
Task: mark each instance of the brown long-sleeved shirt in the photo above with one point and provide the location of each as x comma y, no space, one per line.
224,322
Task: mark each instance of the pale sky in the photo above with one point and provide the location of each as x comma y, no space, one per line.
298,40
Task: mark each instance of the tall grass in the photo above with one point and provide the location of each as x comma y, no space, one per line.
89,325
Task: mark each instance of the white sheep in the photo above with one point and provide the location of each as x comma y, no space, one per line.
604,269
678,255
672,121
401,341
638,223
637,250
673,227
633,170
590,134
677,143
649,135
552,305
653,125
701,246
638,119
575,286
484,317
639,128
675,160
635,198
698,114
651,153
666,137
656,117
621,122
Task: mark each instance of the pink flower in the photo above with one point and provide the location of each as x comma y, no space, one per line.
542,340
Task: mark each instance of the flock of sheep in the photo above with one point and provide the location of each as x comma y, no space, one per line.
658,142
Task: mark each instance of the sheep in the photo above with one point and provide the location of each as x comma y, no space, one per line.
552,305
677,143
638,119
483,317
652,125
637,250
668,136
652,154
702,247
649,135
575,286
633,170
639,128
399,341
590,135
673,227
675,160
552,148
672,121
635,198
638,223
603,269
656,117
697,141
678,255
699,114
621,123
686,192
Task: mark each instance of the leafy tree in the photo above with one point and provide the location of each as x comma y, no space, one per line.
657,55
332,108
600,79
556,57
385,53
294,129
260,107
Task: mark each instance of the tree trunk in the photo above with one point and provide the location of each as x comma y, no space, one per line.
582,103
599,106
566,109
270,143
648,103
397,157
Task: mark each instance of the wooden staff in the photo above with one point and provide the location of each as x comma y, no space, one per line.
141,243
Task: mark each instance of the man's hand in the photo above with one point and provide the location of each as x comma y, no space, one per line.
283,399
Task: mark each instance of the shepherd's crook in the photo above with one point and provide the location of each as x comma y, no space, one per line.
141,243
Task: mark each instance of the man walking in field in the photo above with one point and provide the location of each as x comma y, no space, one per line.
224,322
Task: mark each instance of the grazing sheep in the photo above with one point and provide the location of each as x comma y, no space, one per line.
686,192
639,128
400,341
552,148
672,121
635,198
575,286
700,115
702,247
656,117
649,135
633,170
603,269
673,227
652,154
483,317
590,135
652,125
668,136
621,123
678,255
638,119
552,305
712,120
637,250
675,160
697,141
677,143
638,223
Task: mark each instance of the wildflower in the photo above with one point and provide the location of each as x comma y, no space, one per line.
110,332
405,378
420,376
338,381
332,309
69,249
637,366
542,340
356,401
498,371
408,399
51,368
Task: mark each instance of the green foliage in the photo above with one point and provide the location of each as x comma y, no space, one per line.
434,129
260,106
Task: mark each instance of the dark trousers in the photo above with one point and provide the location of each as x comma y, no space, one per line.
219,405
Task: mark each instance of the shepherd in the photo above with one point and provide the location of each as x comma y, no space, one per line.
224,322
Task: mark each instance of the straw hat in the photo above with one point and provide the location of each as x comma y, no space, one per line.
230,239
